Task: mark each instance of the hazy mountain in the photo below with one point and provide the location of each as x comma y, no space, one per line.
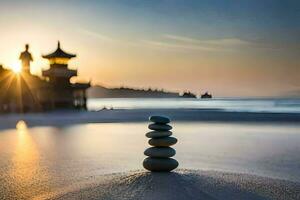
123,92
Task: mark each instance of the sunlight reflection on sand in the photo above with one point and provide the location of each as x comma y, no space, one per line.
39,160
25,162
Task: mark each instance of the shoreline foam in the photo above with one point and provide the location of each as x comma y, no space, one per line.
62,118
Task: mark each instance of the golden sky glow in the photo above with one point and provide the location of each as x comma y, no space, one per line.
142,45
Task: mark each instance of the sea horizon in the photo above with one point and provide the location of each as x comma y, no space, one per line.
236,104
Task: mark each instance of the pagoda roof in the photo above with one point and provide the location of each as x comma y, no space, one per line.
59,72
59,53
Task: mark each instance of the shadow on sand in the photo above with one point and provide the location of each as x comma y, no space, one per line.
184,184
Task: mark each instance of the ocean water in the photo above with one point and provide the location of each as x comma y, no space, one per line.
233,104
37,161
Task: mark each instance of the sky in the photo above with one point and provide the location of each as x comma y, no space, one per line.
233,48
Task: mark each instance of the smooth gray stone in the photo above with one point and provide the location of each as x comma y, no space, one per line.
158,134
159,119
160,164
162,142
160,152
160,127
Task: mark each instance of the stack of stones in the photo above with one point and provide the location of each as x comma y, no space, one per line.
159,156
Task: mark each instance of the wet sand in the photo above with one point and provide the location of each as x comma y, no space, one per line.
141,115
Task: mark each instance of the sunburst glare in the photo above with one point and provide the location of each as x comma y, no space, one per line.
16,68
21,125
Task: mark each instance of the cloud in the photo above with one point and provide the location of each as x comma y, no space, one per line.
222,41
97,35
168,45
149,43
182,39
228,43
106,38
175,42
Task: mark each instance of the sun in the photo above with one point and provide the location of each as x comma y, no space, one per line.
21,125
16,68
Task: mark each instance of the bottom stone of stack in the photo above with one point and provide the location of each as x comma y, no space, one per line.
160,164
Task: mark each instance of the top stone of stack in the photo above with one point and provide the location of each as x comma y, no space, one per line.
159,119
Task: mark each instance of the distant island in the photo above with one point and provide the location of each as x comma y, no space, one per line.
126,92
206,95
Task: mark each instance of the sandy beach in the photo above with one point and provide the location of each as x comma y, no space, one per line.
98,155
181,184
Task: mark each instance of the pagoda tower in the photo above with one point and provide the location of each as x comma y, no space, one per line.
64,94
59,73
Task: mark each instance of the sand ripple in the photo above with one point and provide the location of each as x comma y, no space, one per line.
182,184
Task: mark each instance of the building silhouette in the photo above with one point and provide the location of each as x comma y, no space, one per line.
26,92
26,58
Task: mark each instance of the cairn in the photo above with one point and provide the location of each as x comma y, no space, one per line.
159,156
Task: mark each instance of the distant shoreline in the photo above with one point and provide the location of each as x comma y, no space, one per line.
64,118
98,91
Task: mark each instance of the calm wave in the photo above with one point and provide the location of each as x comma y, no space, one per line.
237,105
